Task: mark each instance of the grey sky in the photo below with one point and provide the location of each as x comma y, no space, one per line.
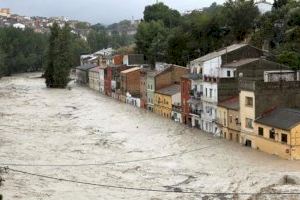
103,11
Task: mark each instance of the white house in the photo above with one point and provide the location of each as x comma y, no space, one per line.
19,26
264,6
205,73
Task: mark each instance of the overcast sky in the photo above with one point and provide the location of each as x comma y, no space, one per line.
94,11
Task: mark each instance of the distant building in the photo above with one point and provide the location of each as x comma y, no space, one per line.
130,82
157,80
133,59
165,99
185,97
5,12
264,6
228,118
82,74
94,78
19,26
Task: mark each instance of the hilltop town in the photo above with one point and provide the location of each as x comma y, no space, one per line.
43,24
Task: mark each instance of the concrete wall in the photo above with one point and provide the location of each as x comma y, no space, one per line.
244,52
212,67
94,80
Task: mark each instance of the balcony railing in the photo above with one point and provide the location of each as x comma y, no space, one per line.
194,76
196,112
196,94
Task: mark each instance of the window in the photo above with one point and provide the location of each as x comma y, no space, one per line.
249,101
210,93
260,131
272,134
206,94
230,119
228,73
249,123
284,138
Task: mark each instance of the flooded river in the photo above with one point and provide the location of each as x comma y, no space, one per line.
103,149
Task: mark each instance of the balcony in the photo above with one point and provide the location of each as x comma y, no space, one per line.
194,76
196,112
196,94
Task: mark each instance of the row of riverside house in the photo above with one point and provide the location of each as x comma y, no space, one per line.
235,93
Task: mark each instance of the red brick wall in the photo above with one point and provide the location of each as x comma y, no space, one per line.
185,96
118,59
107,81
130,82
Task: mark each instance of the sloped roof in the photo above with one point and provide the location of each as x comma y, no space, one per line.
170,91
85,67
232,103
95,69
130,70
282,118
220,52
241,62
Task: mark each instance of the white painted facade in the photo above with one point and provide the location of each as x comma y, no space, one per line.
133,100
101,80
205,90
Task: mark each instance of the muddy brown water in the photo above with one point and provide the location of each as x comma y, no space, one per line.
71,134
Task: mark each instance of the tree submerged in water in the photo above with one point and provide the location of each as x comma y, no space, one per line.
59,57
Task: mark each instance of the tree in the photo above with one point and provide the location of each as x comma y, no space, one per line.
59,57
160,11
3,69
240,15
279,3
151,40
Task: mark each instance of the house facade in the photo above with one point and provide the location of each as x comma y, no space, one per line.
228,118
166,99
94,78
82,74
258,96
207,74
277,133
102,79
185,97
157,80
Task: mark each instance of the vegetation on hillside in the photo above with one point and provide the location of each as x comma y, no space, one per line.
165,35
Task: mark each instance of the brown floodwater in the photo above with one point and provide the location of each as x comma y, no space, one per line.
82,136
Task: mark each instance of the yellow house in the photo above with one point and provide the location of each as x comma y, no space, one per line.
164,100
247,117
228,119
278,133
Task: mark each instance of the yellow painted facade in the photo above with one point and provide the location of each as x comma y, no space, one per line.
287,149
247,114
228,120
163,105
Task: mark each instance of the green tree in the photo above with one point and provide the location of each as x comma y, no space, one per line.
160,11
151,40
240,16
59,57
3,69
